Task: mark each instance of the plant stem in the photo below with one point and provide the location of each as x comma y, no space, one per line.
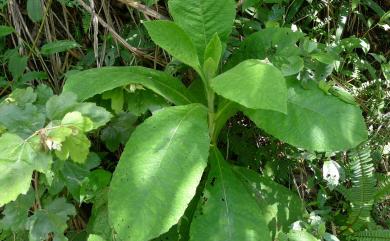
211,115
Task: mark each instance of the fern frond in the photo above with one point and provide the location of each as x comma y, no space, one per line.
383,189
373,235
361,195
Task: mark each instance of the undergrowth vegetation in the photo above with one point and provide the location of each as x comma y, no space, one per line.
194,120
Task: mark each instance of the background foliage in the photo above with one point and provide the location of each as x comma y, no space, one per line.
44,43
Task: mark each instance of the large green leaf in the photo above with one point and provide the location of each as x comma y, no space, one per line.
16,167
279,205
314,121
158,172
253,84
201,19
91,82
173,39
226,210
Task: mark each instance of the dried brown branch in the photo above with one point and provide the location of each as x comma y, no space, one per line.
144,9
118,38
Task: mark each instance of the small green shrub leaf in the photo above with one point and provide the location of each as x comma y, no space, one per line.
17,65
35,10
253,84
51,219
91,82
158,172
201,19
6,30
174,40
17,212
226,211
58,47
314,121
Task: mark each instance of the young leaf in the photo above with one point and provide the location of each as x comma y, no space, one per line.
213,49
158,172
91,82
59,105
75,146
174,40
98,115
75,119
58,46
201,19
16,167
253,84
94,237
35,10
314,121
226,211
6,30
212,56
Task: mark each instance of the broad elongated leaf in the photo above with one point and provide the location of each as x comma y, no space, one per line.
58,46
158,172
173,39
226,210
201,19
253,84
314,121
96,81
280,206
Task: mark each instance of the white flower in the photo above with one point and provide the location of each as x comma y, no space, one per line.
53,144
294,28
331,173
386,149
297,226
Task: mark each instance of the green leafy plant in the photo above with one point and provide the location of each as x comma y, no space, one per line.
161,168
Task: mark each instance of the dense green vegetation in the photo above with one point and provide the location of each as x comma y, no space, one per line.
194,120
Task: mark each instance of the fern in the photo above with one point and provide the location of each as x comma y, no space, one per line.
361,195
383,189
376,235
